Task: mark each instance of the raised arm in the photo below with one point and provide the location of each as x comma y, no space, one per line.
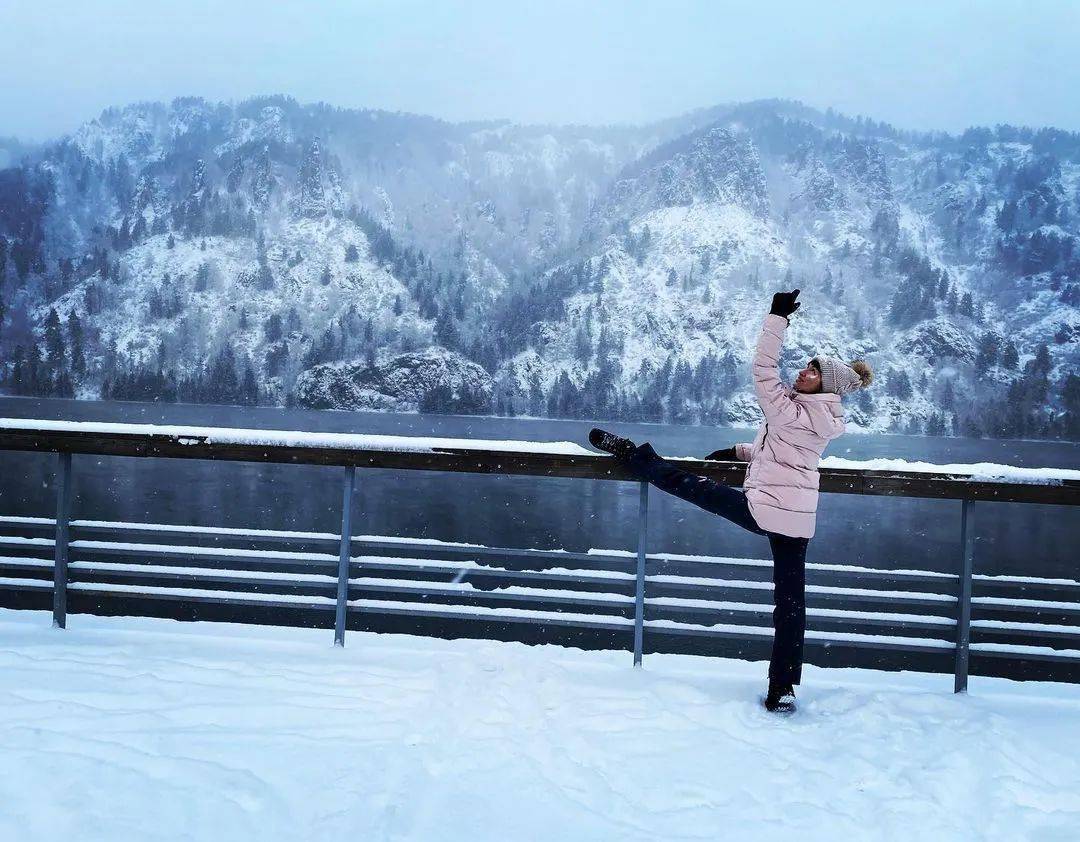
772,395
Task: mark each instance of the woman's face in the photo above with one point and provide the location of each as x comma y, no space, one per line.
809,380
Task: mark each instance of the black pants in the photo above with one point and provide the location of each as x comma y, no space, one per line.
789,554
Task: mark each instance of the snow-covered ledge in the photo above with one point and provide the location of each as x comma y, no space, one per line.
297,438
982,471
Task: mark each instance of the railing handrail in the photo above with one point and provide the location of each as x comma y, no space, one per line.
547,459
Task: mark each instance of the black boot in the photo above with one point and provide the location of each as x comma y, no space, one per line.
781,698
617,446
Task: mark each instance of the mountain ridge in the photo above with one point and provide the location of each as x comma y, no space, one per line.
612,271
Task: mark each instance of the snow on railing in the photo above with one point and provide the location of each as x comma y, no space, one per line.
978,471
293,438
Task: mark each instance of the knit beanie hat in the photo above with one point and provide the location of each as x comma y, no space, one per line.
841,378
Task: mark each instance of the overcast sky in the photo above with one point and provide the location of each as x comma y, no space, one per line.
922,65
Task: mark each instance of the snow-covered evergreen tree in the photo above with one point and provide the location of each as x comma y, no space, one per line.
310,198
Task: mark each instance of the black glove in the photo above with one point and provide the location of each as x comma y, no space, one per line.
784,303
725,455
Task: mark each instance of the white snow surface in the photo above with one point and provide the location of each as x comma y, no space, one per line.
124,728
989,471
298,438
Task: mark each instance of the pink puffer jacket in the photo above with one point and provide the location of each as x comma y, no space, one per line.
782,481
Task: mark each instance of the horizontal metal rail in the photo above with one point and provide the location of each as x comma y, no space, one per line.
452,558
394,579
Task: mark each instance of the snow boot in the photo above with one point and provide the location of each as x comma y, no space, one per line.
617,446
781,698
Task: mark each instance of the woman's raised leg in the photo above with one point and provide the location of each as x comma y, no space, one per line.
712,496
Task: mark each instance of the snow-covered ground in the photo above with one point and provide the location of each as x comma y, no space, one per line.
123,728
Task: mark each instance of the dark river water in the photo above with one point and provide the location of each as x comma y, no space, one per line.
1015,538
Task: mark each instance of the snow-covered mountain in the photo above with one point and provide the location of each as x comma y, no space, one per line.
277,253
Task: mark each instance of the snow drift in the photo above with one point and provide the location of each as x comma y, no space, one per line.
150,729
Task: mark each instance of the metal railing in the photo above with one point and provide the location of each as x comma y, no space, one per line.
597,597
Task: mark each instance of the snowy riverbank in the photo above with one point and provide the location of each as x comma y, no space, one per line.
152,729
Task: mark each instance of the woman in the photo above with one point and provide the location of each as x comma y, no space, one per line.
779,496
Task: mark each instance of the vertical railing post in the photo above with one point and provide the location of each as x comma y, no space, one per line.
63,518
344,556
963,611
639,585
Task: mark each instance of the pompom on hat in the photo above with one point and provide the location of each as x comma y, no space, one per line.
841,378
